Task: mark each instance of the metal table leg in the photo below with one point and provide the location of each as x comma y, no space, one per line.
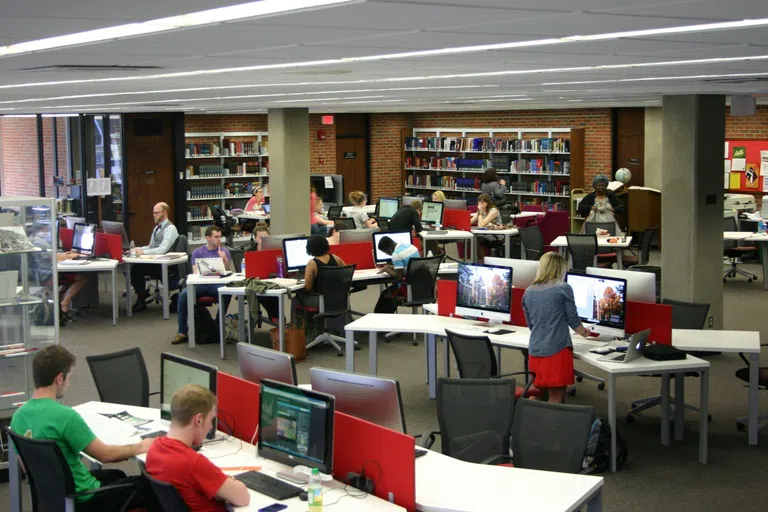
703,416
128,289
114,296
350,351
222,320
612,417
166,302
665,409
432,366
679,405
753,407
373,355
191,300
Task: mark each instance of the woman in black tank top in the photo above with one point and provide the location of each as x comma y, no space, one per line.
317,246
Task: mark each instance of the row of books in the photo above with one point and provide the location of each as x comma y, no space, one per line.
489,144
228,148
540,165
446,163
205,191
198,212
443,182
230,169
541,187
205,171
551,206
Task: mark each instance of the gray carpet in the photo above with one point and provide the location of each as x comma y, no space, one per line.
654,478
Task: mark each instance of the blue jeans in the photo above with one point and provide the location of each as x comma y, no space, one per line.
201,290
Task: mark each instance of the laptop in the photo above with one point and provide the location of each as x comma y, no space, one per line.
266,208
634,351
210,266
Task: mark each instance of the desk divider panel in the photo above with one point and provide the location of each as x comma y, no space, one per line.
446,296
518,316
648,315
66,235
261,263
108,244
416,242
238,405
457,219
359,253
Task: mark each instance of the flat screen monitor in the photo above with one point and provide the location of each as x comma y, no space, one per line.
600,302
83,238
641,286
455,204
266,207
295,426
275,242
400,237
116,228
175,373
257,363
373,399
351,236
387,207
523,271
71,221
484,291
295,251
432,212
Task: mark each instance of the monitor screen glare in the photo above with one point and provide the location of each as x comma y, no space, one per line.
83,238
484,291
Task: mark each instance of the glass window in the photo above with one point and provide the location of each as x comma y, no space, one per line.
19,170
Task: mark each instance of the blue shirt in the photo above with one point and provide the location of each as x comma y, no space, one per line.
204,252
549,310
402,254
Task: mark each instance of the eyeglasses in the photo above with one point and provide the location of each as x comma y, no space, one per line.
157,213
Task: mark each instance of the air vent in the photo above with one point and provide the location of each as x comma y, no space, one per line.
322,72
90,67
745,80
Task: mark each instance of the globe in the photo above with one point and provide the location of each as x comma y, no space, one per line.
623,175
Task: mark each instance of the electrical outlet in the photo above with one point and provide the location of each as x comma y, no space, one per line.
711,322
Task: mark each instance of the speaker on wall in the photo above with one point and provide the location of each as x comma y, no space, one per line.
743,105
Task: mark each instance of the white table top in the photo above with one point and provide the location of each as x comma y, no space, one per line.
158,259
481,231
602,241
523,215
253,215
100,265
445,484
449,234
710,340
736,235
757,237
232,453
196,279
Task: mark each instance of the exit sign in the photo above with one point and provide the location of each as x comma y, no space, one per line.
326,120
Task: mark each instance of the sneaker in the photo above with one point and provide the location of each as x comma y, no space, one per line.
179,339
139,305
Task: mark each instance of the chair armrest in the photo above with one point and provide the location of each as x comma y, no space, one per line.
427,439
528,384
100,489
494,458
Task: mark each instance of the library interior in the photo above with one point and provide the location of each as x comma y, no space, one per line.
252,251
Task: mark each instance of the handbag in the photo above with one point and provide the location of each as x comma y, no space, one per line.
295,338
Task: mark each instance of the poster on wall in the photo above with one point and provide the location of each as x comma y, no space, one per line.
739,162
752,176
735,180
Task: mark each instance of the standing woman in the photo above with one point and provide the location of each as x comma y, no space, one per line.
494,187
550,310
601,205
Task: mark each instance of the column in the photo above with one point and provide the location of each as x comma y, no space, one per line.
289,170
693,131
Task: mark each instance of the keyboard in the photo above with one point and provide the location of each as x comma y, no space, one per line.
152,435
267,485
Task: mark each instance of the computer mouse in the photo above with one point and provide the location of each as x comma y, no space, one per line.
303,496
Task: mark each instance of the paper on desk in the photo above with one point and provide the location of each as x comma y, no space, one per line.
110,430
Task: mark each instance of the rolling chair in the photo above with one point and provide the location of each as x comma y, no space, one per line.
604,255
420,279
121,377
583,251
176,273
532,243
166,494
644,249
333,302
743,374
734,251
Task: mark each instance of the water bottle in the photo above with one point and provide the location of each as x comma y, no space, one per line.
242,265
762,226
623,236
132,252
315,492
279,266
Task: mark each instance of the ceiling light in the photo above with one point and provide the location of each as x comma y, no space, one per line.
654,78
328,99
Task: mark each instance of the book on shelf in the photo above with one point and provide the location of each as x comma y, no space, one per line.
488,144
199,149
240,147
205,171
198,212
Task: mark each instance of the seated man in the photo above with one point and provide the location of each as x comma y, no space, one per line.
201,484
163,237
211,249
400,255
42,417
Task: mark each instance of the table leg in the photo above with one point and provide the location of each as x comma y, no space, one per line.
241,320
679,405
281,323
595,503
14,478
764,257
498,358
114,296
473,241
522,249
128,289
432,365
703,416
349,348
222,320
752,405
612,417
507,243
620,258
665,409
447,347
166,305
373,338
191,299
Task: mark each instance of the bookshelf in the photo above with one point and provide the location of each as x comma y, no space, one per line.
536,163
222,169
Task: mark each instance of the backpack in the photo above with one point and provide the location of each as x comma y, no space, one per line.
206,328
598,454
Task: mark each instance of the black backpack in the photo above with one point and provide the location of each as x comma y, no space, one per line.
206,328
598,454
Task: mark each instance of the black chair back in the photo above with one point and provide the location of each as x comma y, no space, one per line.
180,271
533,242
652,269
166,494
730,224
334,295
474,355
591,228
121,377
551,437
646,239
334,211
421,277
475,417
583,250
687,315
237,258
382,223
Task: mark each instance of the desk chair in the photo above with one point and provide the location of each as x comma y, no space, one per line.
604,255
175,273
476,359
743,374
532,242
685,315
734,251
420,281
551,437
333,301
383,224
224,222
335,212
644,249
167,495
50,479
121,377
583,251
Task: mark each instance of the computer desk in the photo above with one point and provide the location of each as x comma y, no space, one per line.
151,259
506,233
434,326
602,243
97,265
451,235
758,239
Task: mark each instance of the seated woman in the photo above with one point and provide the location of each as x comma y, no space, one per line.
70,285
320,223
260,230
489,217
358,201
438,196
256,202
318,248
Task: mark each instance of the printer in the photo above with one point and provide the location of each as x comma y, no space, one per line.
740,202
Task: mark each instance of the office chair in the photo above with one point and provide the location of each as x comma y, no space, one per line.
176,273
583,251
167,495
685,315
420,279
333,301
335,212
644,249
734,251
551,437
50,480
224,222
743,374
121,377
604,255
532,243
476,359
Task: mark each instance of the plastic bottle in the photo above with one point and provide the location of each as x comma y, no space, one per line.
242,265
279,266
132,252
315,492
623,236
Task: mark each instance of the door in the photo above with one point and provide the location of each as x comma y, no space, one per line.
351,160
630,143
149,170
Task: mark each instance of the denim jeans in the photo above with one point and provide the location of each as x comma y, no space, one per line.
201,290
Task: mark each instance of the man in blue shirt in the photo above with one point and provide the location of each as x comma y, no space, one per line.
211,249
400,254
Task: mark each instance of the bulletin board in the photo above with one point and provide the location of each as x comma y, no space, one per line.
746,166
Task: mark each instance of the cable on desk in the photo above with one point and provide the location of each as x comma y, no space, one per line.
358,496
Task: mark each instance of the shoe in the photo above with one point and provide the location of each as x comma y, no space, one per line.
139,305
179,339
67,317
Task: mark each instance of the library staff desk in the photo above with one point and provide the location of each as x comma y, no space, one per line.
97,265
602,243
164,260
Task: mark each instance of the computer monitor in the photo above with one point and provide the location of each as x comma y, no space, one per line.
484,291
84,238
275,242
400,237
116,228
432,212
175,373
523,271
387,207
455,204
295,251
71,221
641,286
351,236
373,399
266,207
410,199
295,426
257,363
600,302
